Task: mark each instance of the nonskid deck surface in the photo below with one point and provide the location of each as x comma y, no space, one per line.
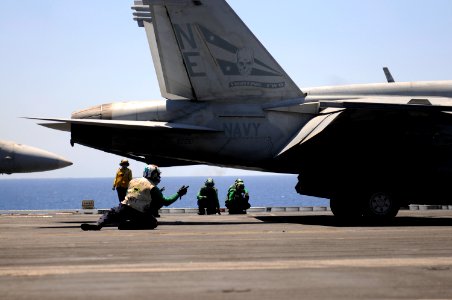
262,255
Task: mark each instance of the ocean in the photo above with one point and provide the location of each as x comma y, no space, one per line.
68,193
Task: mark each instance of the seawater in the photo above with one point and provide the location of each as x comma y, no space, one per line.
67,193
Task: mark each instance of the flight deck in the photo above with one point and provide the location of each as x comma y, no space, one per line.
261,255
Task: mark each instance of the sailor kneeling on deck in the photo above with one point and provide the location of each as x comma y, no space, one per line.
237,200
142,199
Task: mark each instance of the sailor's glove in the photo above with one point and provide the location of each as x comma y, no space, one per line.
182,191
162,189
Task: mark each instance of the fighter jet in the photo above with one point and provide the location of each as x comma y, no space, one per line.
368,148
19,158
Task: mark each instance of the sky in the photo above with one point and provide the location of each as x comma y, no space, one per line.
59,56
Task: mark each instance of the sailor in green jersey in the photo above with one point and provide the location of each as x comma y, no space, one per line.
208,199
237,198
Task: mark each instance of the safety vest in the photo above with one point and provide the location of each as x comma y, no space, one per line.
139,194
210,193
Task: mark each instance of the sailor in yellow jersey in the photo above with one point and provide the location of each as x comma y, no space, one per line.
122,179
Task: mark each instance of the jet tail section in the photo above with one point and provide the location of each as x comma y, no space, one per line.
203,51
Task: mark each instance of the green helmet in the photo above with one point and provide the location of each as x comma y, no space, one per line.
209,182
239,184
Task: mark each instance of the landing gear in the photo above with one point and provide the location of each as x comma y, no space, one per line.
381,206
376,199
373,206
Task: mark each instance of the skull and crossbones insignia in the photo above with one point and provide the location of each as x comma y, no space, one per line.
245,61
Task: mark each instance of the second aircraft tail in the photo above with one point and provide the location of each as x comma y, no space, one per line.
203,51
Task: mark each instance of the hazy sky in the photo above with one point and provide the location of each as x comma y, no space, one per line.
58,56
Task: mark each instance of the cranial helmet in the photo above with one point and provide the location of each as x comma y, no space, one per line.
124,162
152,172
209,182
239,184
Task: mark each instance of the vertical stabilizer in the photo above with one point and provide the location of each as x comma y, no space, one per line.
203,51
388,75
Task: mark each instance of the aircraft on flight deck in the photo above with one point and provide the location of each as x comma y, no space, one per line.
19,158
369,148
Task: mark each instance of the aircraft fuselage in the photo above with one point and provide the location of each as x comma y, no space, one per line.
247,134
19,158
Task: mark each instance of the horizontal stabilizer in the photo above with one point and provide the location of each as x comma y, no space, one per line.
58,126
63,124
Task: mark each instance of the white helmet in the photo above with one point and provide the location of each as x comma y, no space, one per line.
152,172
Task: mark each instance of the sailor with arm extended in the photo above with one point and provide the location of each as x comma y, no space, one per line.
136,210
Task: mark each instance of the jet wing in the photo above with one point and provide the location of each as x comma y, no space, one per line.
65,124
331,109
430,104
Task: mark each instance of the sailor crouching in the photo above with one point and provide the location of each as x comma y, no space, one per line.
136,210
